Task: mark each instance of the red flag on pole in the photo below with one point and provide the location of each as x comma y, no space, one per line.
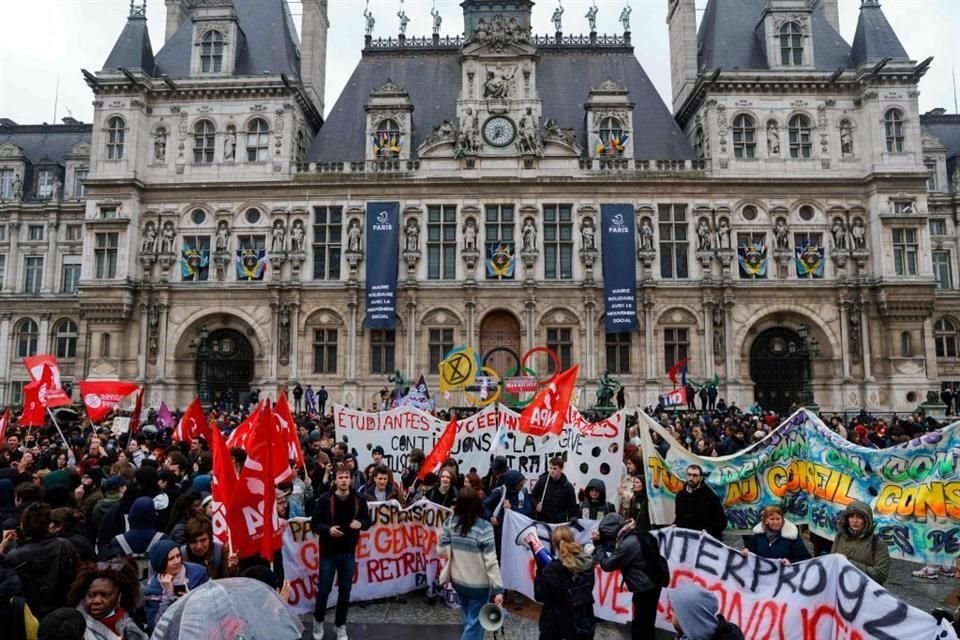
137,410
252,515
287,429
193,424
675,369
34,415
239,436
441,450
100,397
46,364
4,423
548,411
223,485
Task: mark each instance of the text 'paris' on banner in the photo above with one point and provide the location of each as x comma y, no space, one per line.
383,255
619,267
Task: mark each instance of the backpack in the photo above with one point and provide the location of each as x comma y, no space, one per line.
580,597
142,560
657,568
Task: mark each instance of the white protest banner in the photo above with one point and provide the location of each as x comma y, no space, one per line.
819,599
397,555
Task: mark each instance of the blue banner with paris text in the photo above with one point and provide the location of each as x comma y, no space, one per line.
383,258
619,267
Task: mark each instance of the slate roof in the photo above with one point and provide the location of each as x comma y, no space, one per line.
267,42
564,79
132,49
946,127
875,38
731,37
44,143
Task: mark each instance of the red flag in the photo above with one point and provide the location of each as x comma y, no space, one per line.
223,485
441,450
137,410
193,424
287,429
34,415
239,436
548,411
100,397
675,369
4,423
37,367
252,515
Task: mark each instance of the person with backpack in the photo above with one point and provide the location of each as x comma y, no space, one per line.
565,588
16,619
635,552
857,541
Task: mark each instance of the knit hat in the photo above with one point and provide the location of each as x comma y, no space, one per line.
512,479
499,464
377,449
62,624
56,480
95,474
202,483
158,554
114,482
695,610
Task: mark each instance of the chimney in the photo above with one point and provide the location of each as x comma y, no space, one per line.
831,12
682,22
313,49
178,12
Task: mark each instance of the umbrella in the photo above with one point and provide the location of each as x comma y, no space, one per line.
229,609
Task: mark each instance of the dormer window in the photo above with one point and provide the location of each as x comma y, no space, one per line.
258,141
893,129
211,52
45,183
116,132
800,145
204,141
386,143
744,137
611,136
791,45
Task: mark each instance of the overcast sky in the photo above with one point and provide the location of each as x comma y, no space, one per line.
42,41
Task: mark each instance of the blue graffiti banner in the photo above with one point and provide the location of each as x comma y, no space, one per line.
619,267
383,258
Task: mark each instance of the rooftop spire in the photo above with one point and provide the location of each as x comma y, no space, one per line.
138,11
875,39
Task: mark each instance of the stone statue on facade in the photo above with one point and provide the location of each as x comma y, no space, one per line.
149,242
859,234
588,235
557,18
354,235
646,235
469,139
529,236
404,20
296,236
437,20
444,132
781,235
773,139
223,236
498,82
278,237
528,141
470,235
168,238
704,241
625,17
283,334
592,16
17,187
846,139
57,189
723,234
553,131
230,144
412,234
160,145
719,340
370,20
839,233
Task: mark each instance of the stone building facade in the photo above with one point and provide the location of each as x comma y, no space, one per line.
795,213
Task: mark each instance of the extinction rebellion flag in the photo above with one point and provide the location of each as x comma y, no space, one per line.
383,256
619,267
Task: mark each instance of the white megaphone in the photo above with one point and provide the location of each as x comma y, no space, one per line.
491,617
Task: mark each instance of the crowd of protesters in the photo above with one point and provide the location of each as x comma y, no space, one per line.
117,526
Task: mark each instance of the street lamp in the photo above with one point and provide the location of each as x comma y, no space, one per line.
809,348
201,344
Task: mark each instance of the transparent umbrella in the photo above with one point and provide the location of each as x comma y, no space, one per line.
229,609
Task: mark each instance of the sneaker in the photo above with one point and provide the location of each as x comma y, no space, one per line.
948,572
317,629
930,573
342,633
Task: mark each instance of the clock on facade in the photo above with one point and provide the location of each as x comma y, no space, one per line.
499,131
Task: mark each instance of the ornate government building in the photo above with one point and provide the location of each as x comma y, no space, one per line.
795,215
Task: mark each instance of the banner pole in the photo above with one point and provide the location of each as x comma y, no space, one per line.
70,455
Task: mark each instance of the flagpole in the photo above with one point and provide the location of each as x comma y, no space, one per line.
70,454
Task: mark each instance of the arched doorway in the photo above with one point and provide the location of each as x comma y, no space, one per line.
777,367
500,329
224,363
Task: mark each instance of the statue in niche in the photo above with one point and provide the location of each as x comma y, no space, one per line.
529,236
470,235
437,20
588,235
839,233
781,235
773,139
497,84
557,18
704,242
283,337
223,236
230,144
168,238
160,145
625,17
149,242
278,237
296,236
846,138
719,340
646,235
592,16
57,189
723,234
17,187
412,234
354,235
859,234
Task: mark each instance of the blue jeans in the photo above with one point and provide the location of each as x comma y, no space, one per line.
471,616
341,564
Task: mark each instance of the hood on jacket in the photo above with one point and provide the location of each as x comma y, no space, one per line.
159,552
788,532
856,507
610,526
598,485
695,610
512,478
142,514
584,562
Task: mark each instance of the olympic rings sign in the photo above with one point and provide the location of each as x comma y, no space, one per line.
516,376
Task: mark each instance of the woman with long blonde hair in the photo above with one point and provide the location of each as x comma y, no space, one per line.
565,588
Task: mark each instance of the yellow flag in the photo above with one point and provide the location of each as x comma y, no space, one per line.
459,370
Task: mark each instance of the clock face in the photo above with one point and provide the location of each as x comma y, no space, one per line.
499,131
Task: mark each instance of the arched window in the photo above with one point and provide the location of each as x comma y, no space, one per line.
800,145
945,336
27,334
386,140
211,52
612,137
204,142
893,128
744,137
66,339
698,142
791,45
116,132
258,141
906,344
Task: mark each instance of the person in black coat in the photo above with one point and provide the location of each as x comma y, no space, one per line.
698,507
567,612
594,504
554,497
776,537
